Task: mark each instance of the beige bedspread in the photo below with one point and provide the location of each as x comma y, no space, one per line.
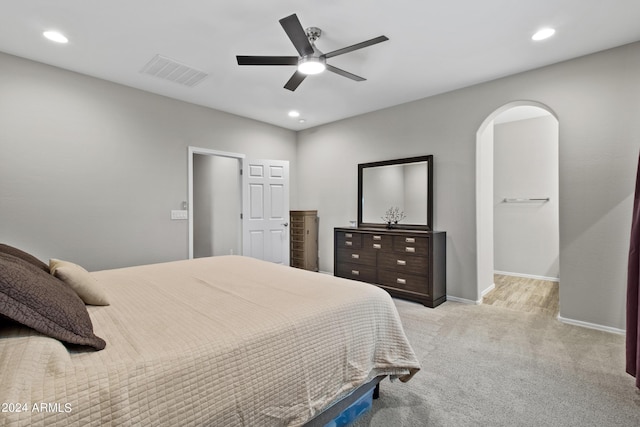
223,341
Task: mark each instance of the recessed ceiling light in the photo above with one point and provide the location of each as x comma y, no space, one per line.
55,36
542,34
301,121
294,113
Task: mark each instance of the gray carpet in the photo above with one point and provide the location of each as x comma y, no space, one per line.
491,366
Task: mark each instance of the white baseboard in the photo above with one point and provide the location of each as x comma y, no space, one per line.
527,276
463,300
560,318
592,326
486,291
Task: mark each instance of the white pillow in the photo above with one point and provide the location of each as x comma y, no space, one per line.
80,280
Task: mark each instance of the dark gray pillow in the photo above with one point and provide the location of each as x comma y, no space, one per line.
6,249
40,301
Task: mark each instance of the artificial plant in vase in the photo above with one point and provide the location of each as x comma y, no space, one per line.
392,216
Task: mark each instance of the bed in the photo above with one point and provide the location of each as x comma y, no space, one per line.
221,341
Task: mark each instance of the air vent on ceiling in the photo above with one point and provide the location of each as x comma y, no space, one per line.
169,69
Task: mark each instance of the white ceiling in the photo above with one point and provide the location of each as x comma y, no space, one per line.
434,46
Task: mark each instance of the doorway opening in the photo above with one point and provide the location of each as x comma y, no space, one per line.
215,203
238,206
518,208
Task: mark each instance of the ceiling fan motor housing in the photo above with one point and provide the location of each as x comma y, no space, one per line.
313,33
314,63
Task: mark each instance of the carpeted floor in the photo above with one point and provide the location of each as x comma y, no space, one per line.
490,366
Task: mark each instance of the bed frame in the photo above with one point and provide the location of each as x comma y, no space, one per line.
338,407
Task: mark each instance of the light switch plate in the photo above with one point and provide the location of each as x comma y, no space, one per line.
179,214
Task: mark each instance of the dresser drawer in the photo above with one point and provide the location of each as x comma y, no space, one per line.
345,239
297,232
402,281
297,262
355,256
411,245
297,245
379,242
365,273
402,263
297,221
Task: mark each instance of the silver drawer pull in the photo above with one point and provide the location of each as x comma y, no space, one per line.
409,249
355,272
348,235
401,262
348,243
355,256
377,237
377,246
410,240
401,281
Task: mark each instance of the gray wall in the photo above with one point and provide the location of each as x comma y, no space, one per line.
90,170
526,235
596,101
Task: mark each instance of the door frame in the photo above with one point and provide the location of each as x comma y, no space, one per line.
207,152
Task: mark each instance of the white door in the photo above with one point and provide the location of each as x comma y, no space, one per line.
265,210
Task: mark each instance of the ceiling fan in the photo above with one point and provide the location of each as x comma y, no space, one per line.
311,59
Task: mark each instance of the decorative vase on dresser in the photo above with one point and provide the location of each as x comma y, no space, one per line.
304,239
409,264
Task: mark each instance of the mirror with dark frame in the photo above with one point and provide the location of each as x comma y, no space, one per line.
396,193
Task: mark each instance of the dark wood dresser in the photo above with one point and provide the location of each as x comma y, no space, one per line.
409,264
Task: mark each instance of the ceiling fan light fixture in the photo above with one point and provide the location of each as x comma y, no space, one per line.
311,65
310,60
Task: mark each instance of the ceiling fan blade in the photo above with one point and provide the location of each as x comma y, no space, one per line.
267,60
357,46
297,35
345,73
295,81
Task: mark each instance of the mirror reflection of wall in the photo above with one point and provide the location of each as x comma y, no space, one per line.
415,196
402,186
382,189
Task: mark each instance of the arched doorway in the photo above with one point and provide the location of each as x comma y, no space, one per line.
491,207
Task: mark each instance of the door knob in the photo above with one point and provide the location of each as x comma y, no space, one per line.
286,224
